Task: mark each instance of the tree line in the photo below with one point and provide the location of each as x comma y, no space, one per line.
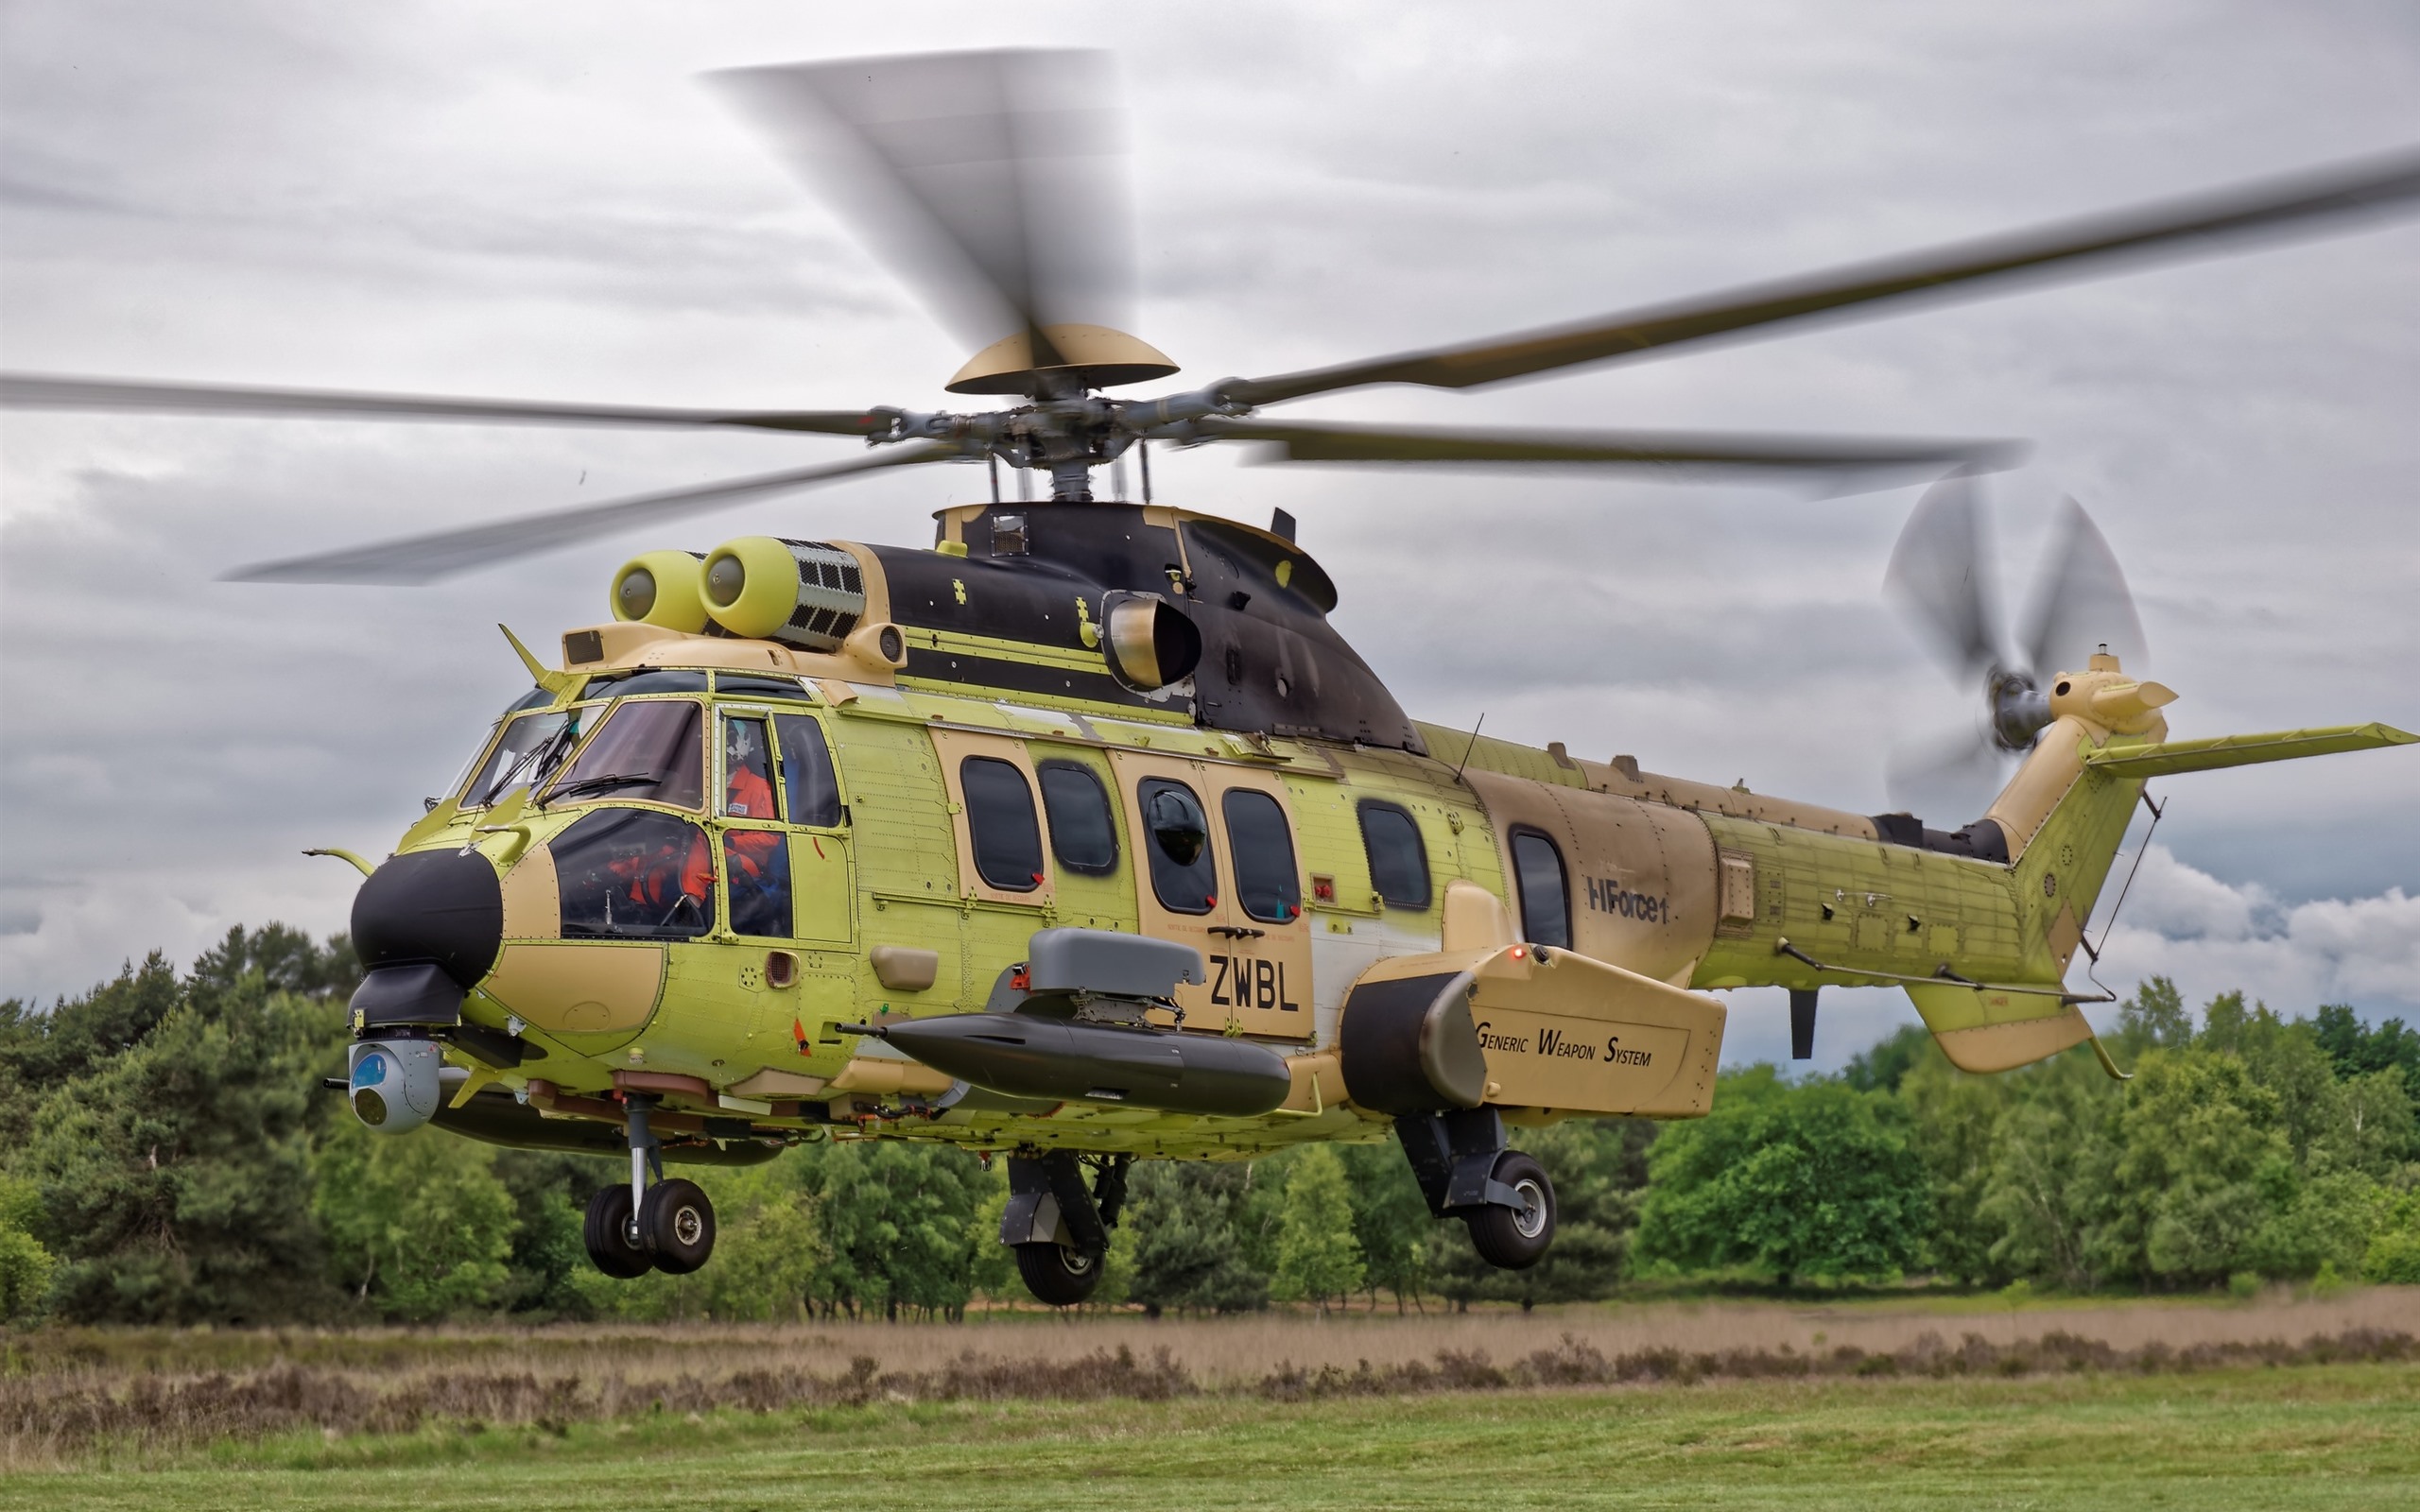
168,1154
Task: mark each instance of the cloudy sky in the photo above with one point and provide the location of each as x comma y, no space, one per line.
539,200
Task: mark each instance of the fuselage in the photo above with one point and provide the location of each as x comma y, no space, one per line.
710,853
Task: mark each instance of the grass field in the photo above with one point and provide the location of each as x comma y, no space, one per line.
2235,1436
2323,1436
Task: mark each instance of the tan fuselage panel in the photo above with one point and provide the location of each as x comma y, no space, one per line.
566,986
1564,1034
1641,876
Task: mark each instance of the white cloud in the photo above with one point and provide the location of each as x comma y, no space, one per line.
538,200
2210,937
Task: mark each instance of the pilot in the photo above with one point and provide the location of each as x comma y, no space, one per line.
661,881
748,793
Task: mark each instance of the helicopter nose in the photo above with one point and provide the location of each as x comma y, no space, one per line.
428,927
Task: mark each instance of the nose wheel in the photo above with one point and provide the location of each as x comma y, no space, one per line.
645,1223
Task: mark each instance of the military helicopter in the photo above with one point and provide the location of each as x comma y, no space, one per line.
1082,838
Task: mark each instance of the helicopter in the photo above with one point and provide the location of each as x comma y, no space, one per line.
1080,836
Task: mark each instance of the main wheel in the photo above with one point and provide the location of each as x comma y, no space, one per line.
677,1224
608,1234
1057,1275
1516,1238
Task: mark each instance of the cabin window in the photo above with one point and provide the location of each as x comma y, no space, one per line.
1398,860
1184,875
808,780
1546,901
635,873
746,770
1082,834
651,752
757,865
528,753
1263,848
1000,824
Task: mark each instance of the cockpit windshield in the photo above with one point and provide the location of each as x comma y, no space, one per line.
650,749
528,753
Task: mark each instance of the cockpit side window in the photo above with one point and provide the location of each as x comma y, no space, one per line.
528,752
651,750
813,791
635,873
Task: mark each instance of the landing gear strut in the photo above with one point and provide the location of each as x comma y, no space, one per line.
650,1224
1060,1230
1465,1172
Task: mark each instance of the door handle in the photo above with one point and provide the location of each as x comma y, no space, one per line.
1237,932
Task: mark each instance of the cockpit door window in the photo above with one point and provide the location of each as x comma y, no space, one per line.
747,770
808,779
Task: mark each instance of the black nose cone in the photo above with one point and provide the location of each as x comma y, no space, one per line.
440,909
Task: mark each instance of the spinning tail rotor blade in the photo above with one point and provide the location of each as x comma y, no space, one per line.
1951,774
1941,578
2082,602
426,559
27,391
990,181
2303,203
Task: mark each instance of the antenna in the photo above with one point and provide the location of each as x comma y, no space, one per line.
1473,746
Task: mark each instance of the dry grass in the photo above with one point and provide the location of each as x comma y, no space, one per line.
67,1395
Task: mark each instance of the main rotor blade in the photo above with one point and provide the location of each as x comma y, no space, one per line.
1687,450
2082,602
2204,223
31,390
989,181
415,559
1941,578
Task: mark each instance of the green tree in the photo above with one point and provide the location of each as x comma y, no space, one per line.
898,1220
1391,1221
1182,1234
1883,1066
2358,1049
2200,1162
41,1052
1317,1257
1957,1116
1812,1180
174,1173
2154,1017
418,1225
24,1265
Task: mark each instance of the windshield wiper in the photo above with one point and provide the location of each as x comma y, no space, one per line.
601,783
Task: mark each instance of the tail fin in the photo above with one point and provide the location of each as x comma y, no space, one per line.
2065,814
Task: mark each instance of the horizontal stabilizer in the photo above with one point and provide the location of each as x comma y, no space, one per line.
2240,750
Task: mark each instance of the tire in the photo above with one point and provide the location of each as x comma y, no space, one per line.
1516,1238
677,1224
607,1232
1057,1275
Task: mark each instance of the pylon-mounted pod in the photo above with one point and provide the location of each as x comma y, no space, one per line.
800,593
660,588
1149,643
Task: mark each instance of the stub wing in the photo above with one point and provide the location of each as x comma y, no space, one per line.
2241,750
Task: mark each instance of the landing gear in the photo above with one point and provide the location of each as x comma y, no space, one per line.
1465,1172
1058,1275
677,1224
633,1229
1058,1229
1516,1238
